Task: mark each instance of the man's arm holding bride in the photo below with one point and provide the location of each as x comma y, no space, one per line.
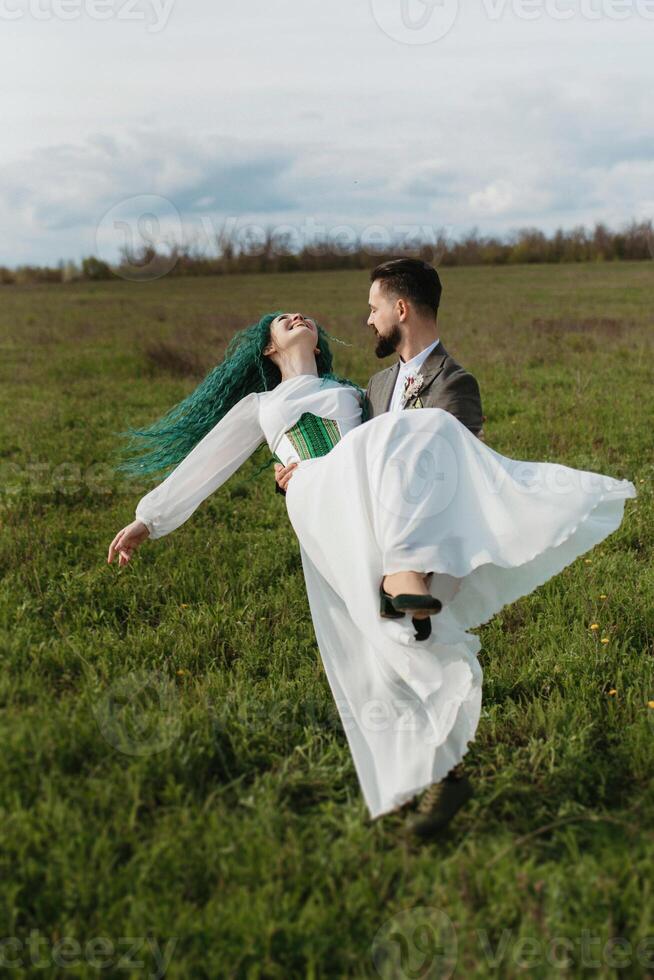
458,392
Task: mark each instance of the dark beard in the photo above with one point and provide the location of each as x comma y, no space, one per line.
386,346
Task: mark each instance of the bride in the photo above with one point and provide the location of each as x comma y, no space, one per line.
411,530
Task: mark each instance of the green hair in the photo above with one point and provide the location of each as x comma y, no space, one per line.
244,369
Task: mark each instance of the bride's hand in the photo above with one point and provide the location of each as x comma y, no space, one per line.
283,474
126,542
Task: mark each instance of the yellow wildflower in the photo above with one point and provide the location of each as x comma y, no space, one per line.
612,692
650,704
588,561
604,639
603,596
594,626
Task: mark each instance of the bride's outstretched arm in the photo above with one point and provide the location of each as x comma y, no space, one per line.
209,464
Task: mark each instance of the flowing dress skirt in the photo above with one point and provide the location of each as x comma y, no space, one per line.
416,490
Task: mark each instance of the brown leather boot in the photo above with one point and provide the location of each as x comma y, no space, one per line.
439,803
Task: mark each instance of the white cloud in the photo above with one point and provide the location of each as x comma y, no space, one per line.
301,109
494,199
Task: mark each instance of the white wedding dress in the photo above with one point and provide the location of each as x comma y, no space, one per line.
409,490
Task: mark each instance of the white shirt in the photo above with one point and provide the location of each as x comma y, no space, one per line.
408,367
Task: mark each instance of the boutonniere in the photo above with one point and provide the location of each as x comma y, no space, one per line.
412,386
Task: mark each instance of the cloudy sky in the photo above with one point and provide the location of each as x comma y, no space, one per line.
341,114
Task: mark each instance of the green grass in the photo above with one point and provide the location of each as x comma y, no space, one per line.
217,810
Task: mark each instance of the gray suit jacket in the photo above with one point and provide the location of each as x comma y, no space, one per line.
446,385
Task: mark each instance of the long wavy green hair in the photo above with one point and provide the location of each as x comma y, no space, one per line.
244,369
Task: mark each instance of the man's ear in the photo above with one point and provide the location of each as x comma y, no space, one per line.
402,310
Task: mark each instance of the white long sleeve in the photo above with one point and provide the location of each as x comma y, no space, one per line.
209,464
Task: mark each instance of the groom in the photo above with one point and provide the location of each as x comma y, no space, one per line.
404,299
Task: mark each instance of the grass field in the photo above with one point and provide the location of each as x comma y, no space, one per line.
176,790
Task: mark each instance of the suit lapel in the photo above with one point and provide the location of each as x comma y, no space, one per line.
430,369
387,389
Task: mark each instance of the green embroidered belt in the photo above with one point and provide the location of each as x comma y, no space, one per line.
313,436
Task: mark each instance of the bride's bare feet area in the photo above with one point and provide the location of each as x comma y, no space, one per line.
408,583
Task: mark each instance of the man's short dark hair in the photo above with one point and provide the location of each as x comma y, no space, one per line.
411,279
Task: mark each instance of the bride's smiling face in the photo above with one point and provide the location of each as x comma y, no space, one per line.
290,330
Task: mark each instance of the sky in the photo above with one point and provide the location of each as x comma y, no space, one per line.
130,120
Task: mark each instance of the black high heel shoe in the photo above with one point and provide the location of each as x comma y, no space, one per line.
396,606
422,627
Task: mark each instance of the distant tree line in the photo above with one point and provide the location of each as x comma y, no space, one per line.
271,252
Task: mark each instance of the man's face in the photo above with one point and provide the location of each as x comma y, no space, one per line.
384,320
